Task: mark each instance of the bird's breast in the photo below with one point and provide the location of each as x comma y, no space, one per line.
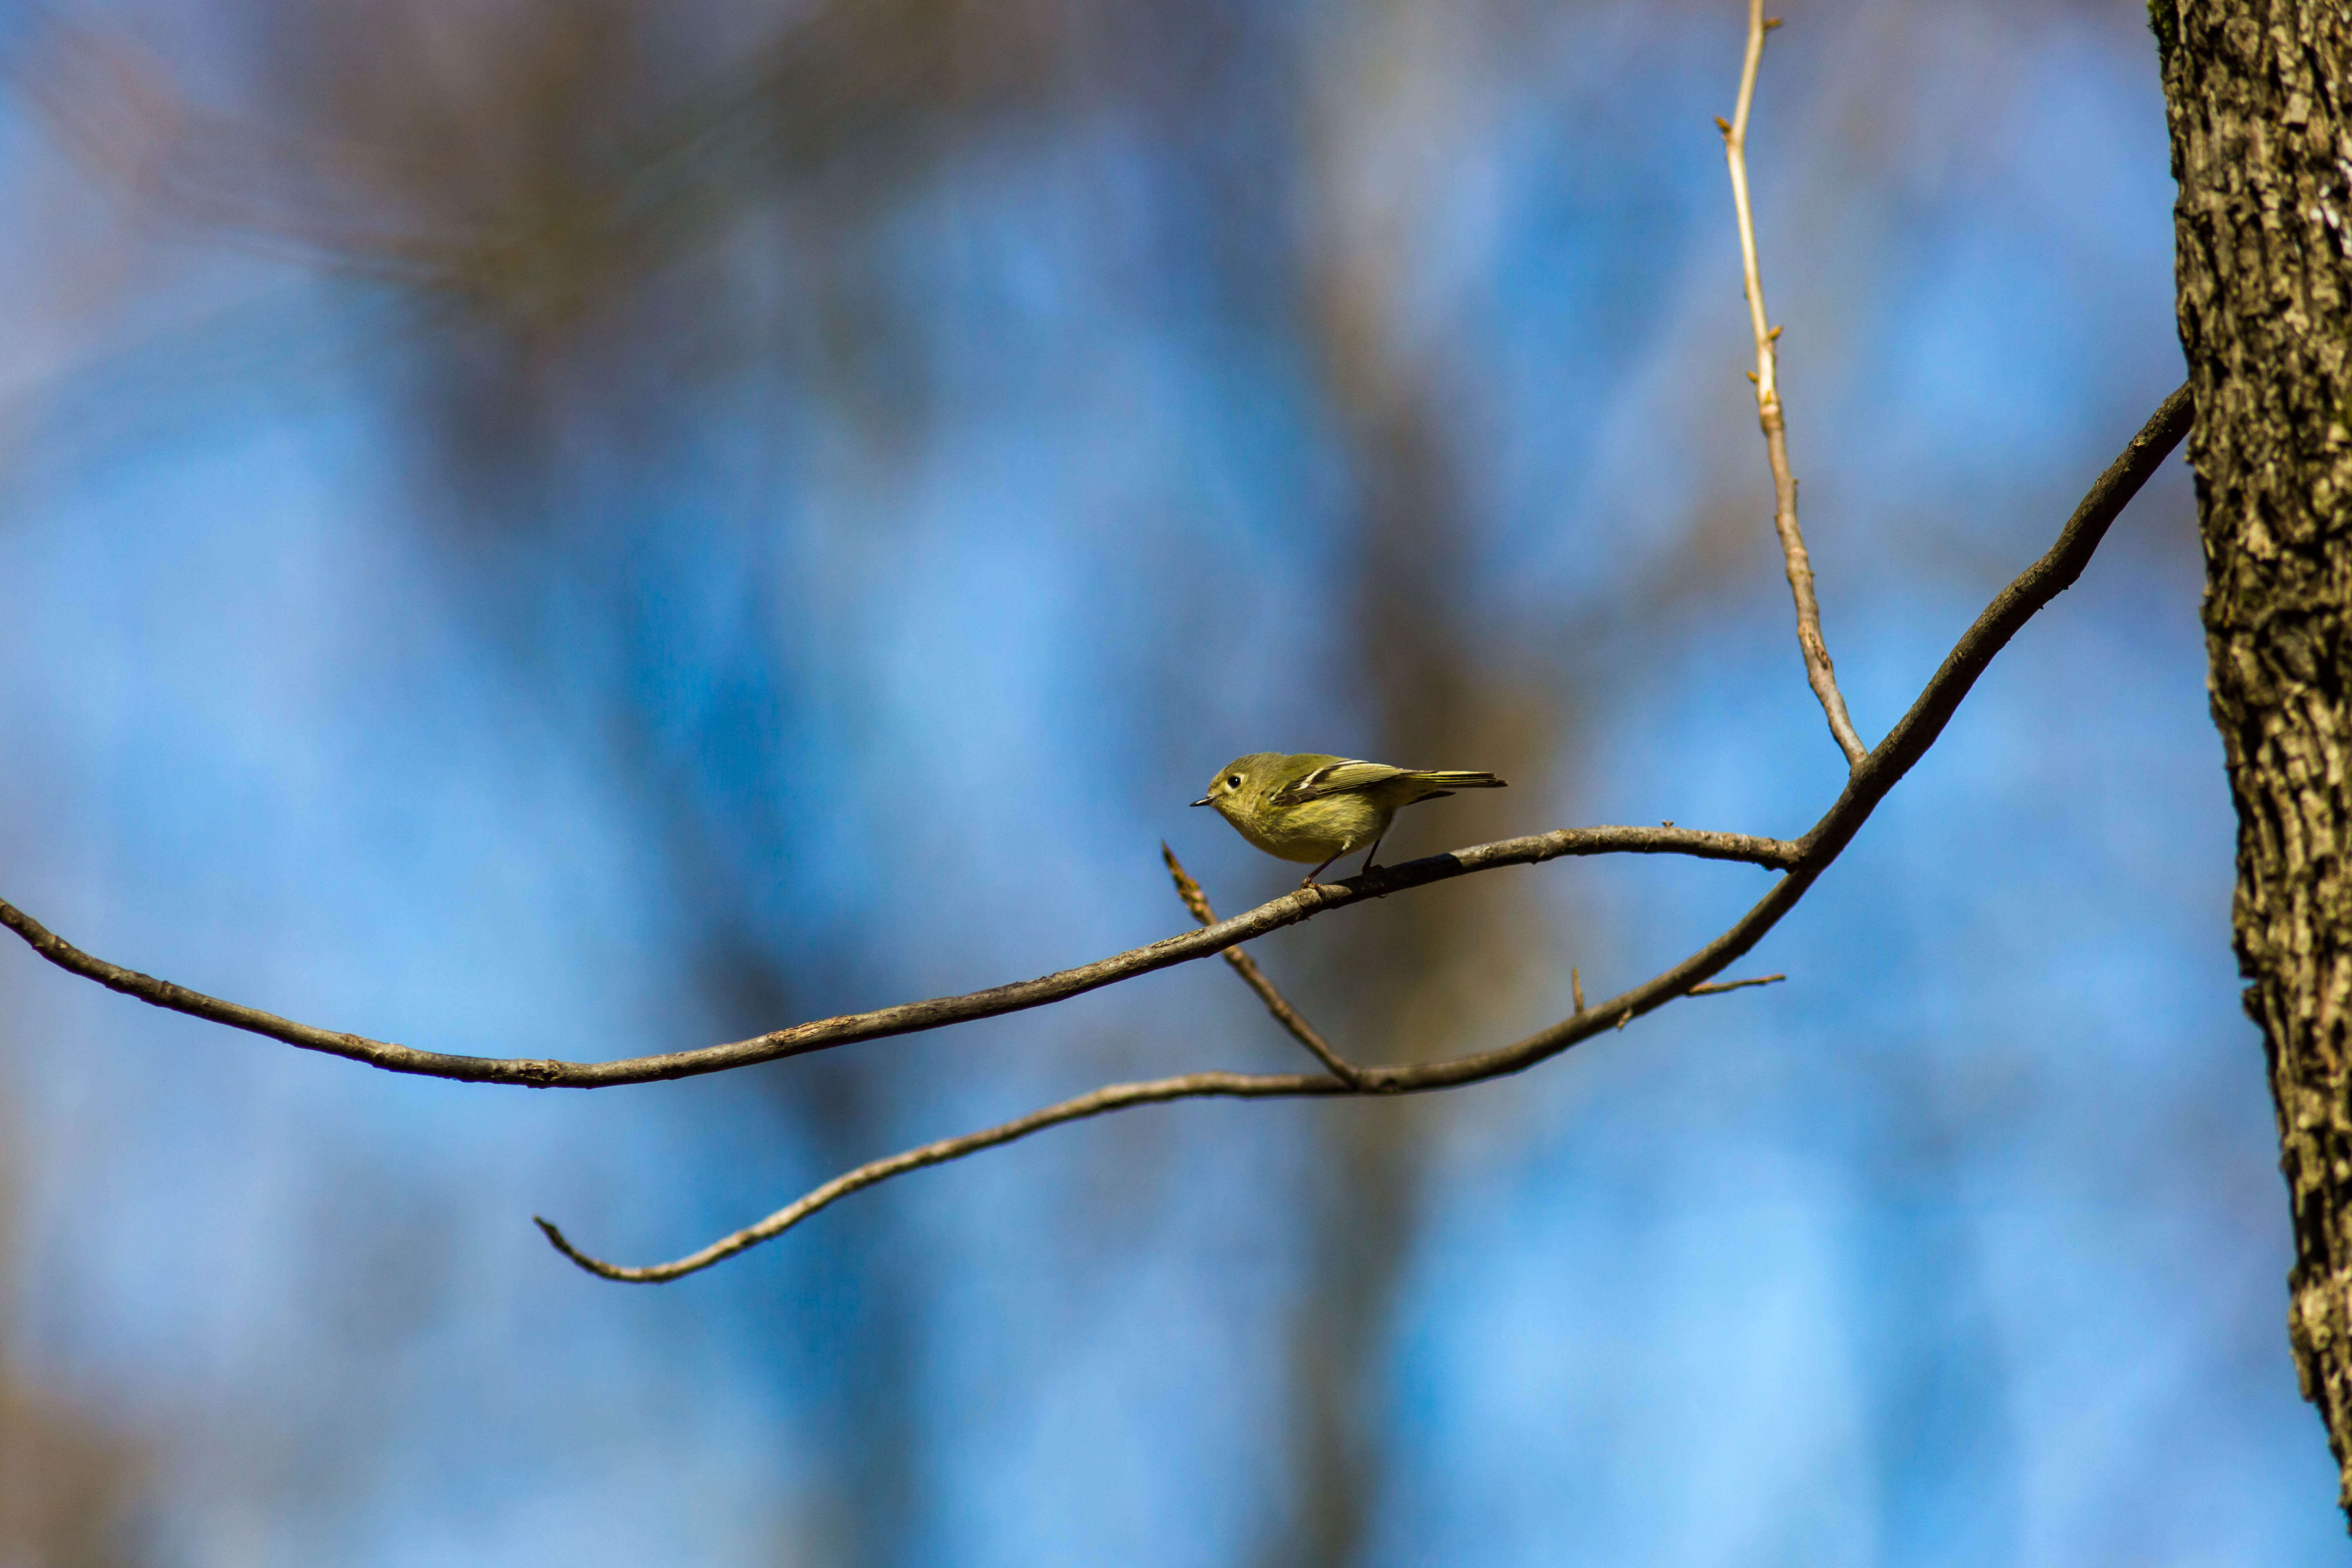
1315,829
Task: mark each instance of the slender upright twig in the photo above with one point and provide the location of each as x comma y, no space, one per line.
1288,1016
1818,669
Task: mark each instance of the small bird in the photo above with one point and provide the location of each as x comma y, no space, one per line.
1308,806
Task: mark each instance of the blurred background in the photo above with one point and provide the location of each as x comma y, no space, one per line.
586,527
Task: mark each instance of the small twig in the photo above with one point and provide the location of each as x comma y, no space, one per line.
1288,1016
1575,988
1904,746
1717,987
1818,672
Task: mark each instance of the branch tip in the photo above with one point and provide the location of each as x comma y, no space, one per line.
1717,987
554,1235
1189,890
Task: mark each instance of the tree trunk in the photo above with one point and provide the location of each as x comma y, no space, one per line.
2256,92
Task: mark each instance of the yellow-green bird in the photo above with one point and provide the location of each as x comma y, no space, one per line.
1309,806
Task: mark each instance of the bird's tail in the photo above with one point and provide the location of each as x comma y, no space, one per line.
1464,781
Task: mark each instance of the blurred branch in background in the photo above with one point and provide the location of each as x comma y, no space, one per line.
534,163
70,1483
68,1487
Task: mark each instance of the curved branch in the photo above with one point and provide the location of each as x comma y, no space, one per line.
912,1016
1880,772
1096,1102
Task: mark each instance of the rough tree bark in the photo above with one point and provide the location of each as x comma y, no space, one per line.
2261,146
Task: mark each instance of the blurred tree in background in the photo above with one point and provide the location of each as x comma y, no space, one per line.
575,529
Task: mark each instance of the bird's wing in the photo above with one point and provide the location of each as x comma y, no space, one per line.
1338,778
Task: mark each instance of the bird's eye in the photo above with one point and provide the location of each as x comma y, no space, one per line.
1233,780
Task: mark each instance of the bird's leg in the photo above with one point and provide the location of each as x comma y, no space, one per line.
1375,850
1309,880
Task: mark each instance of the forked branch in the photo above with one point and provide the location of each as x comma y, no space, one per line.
1880,771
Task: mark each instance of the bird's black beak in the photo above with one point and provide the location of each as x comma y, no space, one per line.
1202,801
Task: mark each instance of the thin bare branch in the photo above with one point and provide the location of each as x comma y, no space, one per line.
912,1016
1881,771
1288,1016
1717,987
1818,672
1096,1102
